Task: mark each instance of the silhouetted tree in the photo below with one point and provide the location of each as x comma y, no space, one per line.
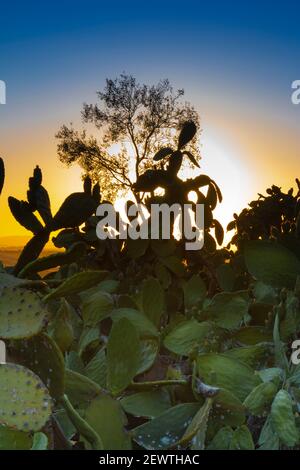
134,120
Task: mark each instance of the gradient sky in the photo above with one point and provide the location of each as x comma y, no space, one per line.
235,60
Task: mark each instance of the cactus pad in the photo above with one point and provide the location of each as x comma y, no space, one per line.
22,313
77,283
23,214
74,211
41,355
24,400
73,254
2,174
32,250
12,439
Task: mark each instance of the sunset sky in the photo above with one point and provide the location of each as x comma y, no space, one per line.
235,60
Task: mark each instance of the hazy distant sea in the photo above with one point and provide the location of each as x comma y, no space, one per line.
11,247
9,256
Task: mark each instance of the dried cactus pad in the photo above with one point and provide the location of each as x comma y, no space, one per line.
25,403
22,313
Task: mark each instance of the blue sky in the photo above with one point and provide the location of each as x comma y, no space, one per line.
61,49
235,60
35,19
67,42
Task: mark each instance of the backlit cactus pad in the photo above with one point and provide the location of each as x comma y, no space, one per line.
25,403
22,313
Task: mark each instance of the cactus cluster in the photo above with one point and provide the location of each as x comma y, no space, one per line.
276,215
177,190
137,344
74,211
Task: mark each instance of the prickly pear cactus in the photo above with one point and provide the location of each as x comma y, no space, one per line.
74,211
2,174
12,439
42,355
32,250
196,344
77,283
73,254
187,133
38,197
23,214
22,313
25,403
62,328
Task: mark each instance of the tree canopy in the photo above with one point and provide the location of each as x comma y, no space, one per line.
133,121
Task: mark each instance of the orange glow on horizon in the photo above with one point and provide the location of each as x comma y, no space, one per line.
243,158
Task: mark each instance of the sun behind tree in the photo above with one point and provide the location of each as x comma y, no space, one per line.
135,120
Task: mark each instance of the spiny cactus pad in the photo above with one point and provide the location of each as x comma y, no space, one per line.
25,403
22,313
7,280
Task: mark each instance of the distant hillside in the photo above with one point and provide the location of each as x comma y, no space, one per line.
11,247
13,241
19,241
